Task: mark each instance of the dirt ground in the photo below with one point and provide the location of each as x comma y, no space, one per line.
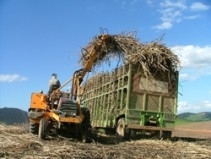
17,143
194,130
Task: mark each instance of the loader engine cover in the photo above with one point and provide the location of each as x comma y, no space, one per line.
68,107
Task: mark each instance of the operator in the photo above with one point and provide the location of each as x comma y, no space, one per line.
54,83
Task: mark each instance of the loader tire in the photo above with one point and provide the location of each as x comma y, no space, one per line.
85,133
33,128
42,129
86,122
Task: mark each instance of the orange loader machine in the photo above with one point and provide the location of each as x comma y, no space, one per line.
60,113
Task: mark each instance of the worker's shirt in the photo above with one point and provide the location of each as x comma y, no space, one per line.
54,81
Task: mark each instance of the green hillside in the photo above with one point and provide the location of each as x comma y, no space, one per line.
180,121
194,117
13,116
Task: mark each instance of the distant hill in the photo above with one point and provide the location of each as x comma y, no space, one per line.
204,116
17,116
13,116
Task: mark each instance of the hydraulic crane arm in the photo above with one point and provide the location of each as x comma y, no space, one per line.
90,58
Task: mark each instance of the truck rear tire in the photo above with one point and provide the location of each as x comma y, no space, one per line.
163,134
120,129
166,134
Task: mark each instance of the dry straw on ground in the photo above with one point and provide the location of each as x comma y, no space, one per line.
17,143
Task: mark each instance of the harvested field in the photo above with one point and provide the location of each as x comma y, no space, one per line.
16,142
194,130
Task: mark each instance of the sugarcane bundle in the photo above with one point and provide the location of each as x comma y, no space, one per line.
152,58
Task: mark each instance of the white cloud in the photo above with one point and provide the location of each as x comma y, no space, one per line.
193,56
183,76
207,104
195,61
203,106
188,76
198,6
170,15
192,17
164,25
133,2
125,3
172,12
12,78
150,2
174,4
183,106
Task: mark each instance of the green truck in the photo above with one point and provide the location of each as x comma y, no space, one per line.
126,101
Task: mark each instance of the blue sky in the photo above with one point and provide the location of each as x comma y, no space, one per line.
39,37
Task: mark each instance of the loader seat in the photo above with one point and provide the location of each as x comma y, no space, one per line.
52,88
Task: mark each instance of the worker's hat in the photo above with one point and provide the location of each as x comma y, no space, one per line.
54,74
